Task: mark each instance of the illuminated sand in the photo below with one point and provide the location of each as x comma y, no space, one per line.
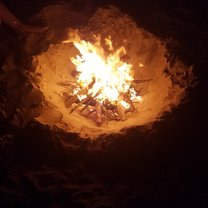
165,91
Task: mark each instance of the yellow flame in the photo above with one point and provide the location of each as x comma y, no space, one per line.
104,74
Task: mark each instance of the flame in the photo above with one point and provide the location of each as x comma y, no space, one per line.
104,74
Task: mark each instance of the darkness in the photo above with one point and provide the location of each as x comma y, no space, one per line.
166,167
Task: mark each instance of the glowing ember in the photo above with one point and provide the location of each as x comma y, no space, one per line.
103,77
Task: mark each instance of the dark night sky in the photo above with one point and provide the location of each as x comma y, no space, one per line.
164,168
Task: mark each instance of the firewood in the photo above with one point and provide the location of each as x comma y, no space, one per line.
90,112
121,112
110,114
98,109
80,103
71,100
86,105
68,84
90,101
92,109
74,98
129,101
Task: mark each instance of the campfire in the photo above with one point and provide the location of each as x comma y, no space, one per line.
103,84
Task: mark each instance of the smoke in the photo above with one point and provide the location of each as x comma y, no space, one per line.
166,90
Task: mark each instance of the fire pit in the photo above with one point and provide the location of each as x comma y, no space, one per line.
107,76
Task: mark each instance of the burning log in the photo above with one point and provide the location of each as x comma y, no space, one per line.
90,101
129,101
98,109
75,98
88,111
68,84
71,100
86,105
80,103
121,112
110,111
110,114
